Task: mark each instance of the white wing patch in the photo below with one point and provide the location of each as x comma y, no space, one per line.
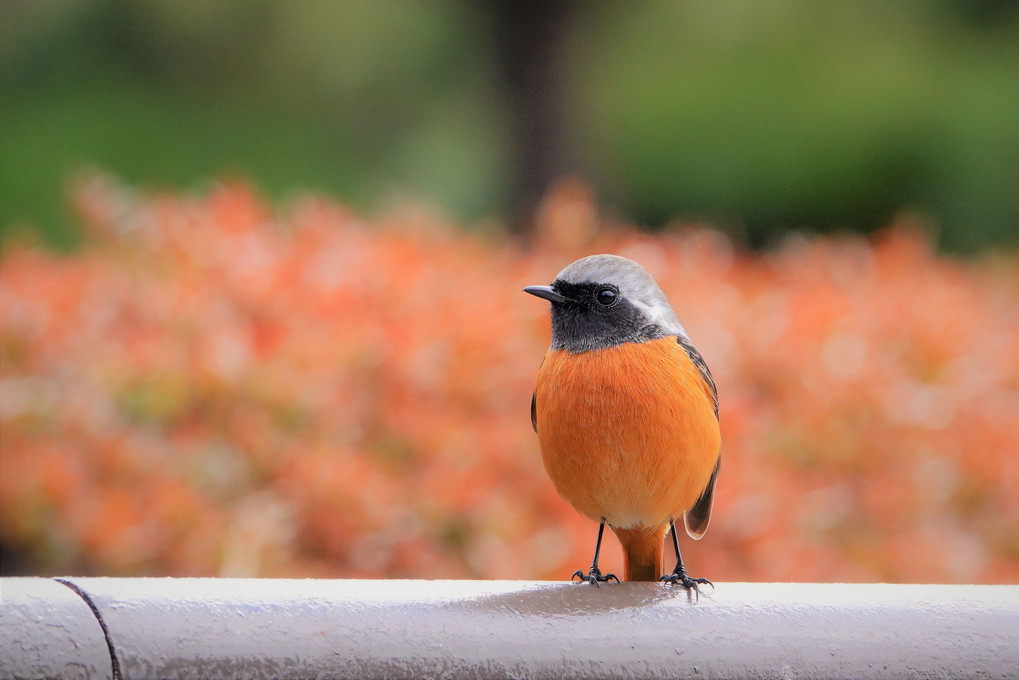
660,312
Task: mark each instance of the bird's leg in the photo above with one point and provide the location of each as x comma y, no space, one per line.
594,576
678,574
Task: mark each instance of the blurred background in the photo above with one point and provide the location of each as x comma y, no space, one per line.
761,118
236,240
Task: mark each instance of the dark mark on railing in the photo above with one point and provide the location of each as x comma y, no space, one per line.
114,662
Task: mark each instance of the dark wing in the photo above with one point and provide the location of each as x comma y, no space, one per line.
534,414
696,518
702,367
534,406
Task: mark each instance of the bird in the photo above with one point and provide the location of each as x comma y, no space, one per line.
626,413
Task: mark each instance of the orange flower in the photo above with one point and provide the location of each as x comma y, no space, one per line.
210,387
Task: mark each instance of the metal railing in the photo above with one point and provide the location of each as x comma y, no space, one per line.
261,628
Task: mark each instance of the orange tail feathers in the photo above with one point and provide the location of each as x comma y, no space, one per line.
642,553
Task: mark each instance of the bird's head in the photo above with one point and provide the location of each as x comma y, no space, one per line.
605,300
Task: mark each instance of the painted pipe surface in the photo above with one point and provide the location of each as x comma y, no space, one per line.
48,631
254,628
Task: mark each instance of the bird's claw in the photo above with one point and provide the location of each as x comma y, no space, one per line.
691,584
594,577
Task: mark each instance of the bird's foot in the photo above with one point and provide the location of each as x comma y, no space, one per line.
594,577
693,585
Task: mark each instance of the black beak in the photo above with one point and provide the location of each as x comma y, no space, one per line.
546,292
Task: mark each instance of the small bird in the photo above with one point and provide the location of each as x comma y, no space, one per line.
626,413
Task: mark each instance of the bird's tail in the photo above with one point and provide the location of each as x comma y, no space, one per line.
642,553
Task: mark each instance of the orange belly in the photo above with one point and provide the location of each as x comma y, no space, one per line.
627,433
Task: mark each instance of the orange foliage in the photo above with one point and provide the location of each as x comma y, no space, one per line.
211,388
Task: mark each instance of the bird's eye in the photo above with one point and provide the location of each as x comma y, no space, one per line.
606,296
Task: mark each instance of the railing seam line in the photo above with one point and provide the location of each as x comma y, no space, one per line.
114,661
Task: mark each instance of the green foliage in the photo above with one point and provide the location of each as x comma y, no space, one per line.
759,116
353,98
806,114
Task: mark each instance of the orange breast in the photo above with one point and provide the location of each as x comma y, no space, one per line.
627,433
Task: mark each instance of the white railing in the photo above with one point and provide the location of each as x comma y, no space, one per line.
260,628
